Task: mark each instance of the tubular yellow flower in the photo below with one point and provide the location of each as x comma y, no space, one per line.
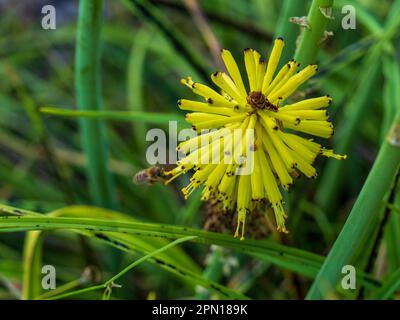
275,156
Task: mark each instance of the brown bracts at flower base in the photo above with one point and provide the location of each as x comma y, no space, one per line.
277,154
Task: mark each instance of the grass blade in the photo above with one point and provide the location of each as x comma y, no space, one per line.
287,30
145,117
87,77
31,287
367,206
297,260
389,287
331,179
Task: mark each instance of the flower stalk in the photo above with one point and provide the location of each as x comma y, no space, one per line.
313,34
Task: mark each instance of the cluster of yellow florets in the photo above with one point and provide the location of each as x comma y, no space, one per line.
277,155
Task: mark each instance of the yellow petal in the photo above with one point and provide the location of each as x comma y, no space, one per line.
270,185
320,115
223,81
280,217
184,104
262,67
276,161
309,104
293,83
243,202
304,166
196,117
197,179
281,74
211,96
257,185
289,70
301,149
250,68
215,178
283,117
282,149
196,142
217,122
273,62
233,70
323,129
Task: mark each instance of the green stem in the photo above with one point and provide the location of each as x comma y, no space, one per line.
391,98
109,283
88,90
77,292
145,117
60,290
312,36
32,263
146,257
364,212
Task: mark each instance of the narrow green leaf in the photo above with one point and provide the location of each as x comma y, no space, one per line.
360,221
389,287
88,91
145,117
294,259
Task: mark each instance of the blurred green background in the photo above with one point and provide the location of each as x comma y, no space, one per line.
42,165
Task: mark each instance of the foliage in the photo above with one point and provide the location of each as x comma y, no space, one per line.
76,103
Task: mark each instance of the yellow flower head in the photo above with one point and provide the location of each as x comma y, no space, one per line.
276,153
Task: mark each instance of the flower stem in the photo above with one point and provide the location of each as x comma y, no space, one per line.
88,90
115,115
364,212
313,34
